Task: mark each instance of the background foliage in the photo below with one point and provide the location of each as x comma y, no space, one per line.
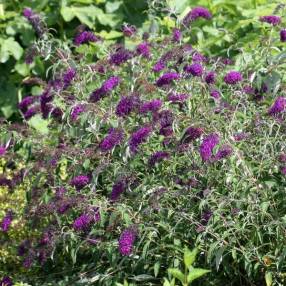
233,28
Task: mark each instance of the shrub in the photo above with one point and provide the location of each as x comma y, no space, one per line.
128,162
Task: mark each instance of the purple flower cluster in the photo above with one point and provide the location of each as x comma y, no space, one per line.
233,77
6,281
76,111
6,222
118,188
68,76
151,106
167,78
210,77
157,157
143,49
278,106
158,66
126,105
26,102
30,54
83,222
283,35
139,137
80,182
198,57
120,57
126,241
208,145
45,100
2,150
177,35
223,152
128,30
195,69
114,137
215,94
195,13
191,134
106,87
240,136
272,19
177,97
35,20
85,37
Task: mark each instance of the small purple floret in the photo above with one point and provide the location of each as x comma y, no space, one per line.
126,241
208,145
233,77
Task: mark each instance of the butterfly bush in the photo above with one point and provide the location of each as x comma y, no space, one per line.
150,144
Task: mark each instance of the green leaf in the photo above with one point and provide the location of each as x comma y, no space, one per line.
67,13
111,7
190,256
268,278
7,110
22,69
39,124
10,47
196,273
177,274
143,277
156,268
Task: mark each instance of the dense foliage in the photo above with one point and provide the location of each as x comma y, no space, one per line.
136,151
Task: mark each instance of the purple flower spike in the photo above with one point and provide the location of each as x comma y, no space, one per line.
143,49
195,13
28,13
114,137
208,145
30,113
110,84
233,77
126,105
76,111
2,150
177,35
69,75
26,102
273,20
278,106
35,20
223,152
118,188
283,170
210,77
177,98
167,78
106,87
120,57
191,134
151,106
126,241
128,30
215,94
157,157
85,37
80,182
194,69
283,35
158,66
6,281
6,222
83,222
139,137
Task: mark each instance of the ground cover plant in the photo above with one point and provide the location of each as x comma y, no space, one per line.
133,154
